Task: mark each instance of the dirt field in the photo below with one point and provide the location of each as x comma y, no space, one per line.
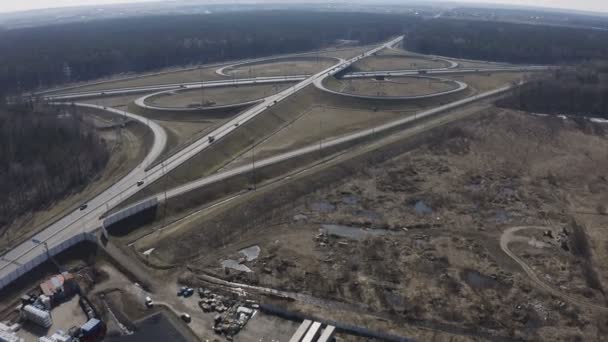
397,86
217,96
291,66
415,240
128,147
397,62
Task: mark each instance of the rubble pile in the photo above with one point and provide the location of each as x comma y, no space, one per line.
232,314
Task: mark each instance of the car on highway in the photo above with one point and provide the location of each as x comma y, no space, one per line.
83,207
140,183
211,139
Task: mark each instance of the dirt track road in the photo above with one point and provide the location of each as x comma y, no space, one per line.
509,236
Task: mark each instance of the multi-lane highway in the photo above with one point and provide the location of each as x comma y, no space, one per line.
88,220
169,87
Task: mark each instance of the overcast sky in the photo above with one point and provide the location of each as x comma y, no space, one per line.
20,5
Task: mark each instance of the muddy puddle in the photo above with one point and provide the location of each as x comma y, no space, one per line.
353,233
251,253
478,281
422,209
235,265
350,199
502,216
322,207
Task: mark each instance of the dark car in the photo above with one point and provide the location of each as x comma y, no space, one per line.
188,292
186,318
84,206
140,183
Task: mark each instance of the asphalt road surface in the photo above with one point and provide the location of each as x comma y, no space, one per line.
88,220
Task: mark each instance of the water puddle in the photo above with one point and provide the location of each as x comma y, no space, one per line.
251,253
235,265
350,200
422,209
354,233
502,216
368,214
322,207
478,281
395,300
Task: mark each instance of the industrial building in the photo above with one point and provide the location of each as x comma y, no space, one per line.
92,330
59,287
58,336
38,316
8,333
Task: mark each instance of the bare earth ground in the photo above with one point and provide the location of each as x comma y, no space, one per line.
397,86
218,96
128,147
294,66
397,62
425,250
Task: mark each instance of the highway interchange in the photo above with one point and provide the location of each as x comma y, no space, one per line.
88,220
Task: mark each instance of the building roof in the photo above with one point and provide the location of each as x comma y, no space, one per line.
55,284
90,324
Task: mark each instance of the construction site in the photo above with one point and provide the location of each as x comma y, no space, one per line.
348,194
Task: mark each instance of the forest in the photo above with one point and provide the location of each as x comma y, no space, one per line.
44,155
573,91
507,42
40,57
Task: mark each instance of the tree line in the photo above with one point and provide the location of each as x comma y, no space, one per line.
573,91
40,57
507,42
44,155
